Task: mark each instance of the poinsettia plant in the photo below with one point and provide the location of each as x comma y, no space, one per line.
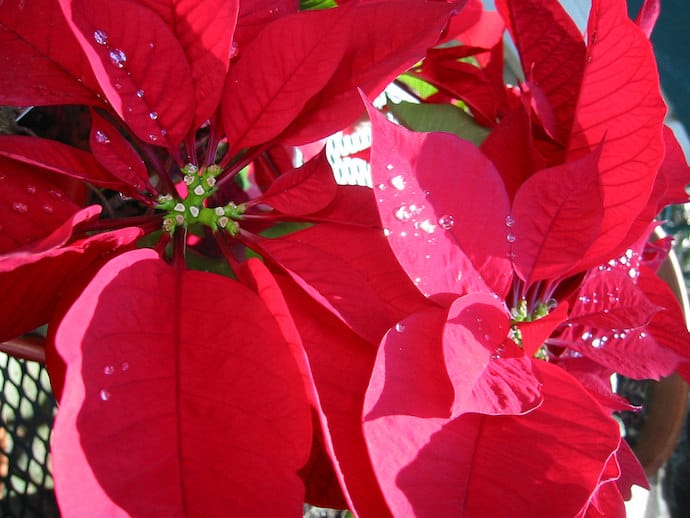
248,333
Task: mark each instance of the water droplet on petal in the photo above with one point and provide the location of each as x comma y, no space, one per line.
597,342
21,208
152,45
152,136
510,221
47,208
399,327
100,37
586,336
101,137
398,182
386,232
510,237
140,94
381,186
234,50
104,395
56,194
108,370
446,221
118,58
31,189
402,213
389,167
153,115
124,366
427,226
163,133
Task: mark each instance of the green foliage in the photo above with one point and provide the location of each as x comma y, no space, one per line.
312,5
439,117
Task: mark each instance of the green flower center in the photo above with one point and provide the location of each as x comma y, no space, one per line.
184,212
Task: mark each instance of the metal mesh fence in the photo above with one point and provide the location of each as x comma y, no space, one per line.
27,409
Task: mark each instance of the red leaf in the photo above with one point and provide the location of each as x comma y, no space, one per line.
283,67
432,190
57,157
390,37
535,333
438,467
255,15
341,396
42,61
410,375
350,271
484,382
611,300
204,29
178,399
551,51
37,276
31,205
668,327
651,351
134,54
620,106
557,214
648,15
304,190
510,147
114,152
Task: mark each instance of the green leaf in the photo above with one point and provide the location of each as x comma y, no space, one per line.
312,5
439,117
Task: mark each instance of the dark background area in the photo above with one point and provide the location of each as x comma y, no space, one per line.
671,40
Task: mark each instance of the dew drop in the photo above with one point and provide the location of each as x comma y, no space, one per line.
510,221
100,37
399,327
47,208
417,280
510,237
597,342
446,221
589,59
402,213
118,58
633,273
56,194
427,226
398,182
163,132
104,395
31,189
140,94
101,137
234,50
386,232
153,115
389,167
152,136
124,366
118,85
586,336
21,208
108,370
152,45
381,186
